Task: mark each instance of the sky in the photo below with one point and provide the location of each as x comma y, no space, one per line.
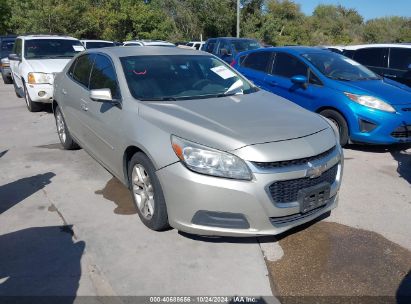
369,9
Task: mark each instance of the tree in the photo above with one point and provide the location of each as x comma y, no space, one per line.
4,16
388,29
333,24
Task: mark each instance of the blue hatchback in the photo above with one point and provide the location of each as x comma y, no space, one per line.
365,107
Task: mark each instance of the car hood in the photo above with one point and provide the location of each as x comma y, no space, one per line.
388,90
48,65
233,122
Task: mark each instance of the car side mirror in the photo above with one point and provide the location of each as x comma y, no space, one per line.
14,57
104,95
300,80
101,95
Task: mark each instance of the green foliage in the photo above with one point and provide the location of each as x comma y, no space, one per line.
277,22
5,14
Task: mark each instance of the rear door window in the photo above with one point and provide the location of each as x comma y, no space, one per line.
210,46
103,76
375,57
82,70
258,61
400,58
288,66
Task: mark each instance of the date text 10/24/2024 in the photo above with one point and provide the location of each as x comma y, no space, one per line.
204,299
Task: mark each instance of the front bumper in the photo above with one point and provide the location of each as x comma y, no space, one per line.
40,92
385,125
188,193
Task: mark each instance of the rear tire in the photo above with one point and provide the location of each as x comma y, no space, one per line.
64,135
340,122
31,105
147,193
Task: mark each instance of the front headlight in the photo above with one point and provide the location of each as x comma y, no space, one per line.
371,102
209,161
40,78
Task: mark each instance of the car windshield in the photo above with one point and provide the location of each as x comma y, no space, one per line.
339,67
6,47
242,45
174,77
98,44
51,48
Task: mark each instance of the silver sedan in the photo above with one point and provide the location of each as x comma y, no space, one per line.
200,147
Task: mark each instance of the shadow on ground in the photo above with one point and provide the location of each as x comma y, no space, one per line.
404,164
3,153
404,290
40,261
15,192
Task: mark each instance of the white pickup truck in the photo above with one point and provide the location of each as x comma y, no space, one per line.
35,60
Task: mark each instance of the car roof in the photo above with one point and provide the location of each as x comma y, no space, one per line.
146,51
30,37
232,38
391,45
95,40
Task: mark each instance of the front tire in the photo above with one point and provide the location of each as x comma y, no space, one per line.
31,105
7,80
340,122
64,135
147,193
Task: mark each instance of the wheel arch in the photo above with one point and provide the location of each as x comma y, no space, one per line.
127,155
319,110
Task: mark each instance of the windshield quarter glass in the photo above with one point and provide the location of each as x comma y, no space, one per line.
51,48
339,67
175,77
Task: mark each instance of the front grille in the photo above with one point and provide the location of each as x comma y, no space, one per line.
294,162
402,132
287,191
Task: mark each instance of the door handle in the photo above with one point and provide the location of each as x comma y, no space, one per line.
83,107
389,75
64,91
272,83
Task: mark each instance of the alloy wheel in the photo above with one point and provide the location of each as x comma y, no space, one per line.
143,191
61,128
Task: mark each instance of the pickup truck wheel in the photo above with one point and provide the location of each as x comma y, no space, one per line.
31,105
340,122
147,193
64,135
7,80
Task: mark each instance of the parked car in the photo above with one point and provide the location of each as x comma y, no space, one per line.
6,45
96,44
227,48
365,107
200,147
148,43
339,49
34,62
388,60
195,45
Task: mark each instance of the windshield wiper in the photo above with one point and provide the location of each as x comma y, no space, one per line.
166,98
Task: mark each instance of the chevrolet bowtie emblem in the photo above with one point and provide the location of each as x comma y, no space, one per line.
315,171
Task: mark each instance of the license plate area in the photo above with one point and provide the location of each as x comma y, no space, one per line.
313,197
